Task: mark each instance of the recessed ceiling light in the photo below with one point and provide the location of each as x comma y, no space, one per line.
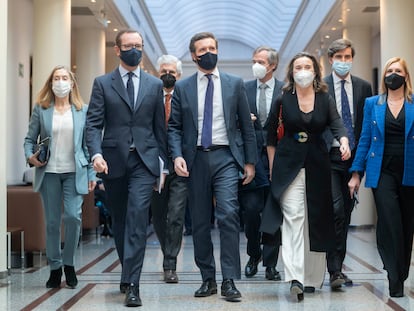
108,21
333,28
115,29
327,36
93,1
340,20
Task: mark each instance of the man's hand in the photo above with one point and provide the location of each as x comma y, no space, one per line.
249,172
99,165
180,167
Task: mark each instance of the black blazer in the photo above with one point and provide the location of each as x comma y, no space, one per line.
312,155
361,90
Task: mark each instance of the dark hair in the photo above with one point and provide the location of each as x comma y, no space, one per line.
339,45
201,36
318,84
118,41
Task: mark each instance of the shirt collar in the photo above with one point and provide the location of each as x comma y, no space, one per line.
270,83
337,79
123,71
201,74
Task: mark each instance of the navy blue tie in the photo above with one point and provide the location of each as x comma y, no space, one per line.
346,116
206,134
130,89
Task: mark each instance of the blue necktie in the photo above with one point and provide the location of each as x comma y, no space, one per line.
130,89
206,134
346,116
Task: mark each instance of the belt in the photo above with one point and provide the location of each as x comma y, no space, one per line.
211,148
301,137
131,149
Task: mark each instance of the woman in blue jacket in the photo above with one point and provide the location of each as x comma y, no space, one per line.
386,153
59,116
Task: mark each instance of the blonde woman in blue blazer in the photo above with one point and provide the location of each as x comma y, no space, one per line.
66,175
385,153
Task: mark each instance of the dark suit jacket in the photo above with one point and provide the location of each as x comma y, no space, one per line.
361,90
183,122
109,110
261,178
291,156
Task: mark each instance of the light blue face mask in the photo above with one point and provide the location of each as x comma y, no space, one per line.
342,68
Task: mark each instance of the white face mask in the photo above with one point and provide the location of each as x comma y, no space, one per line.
61,88
259,71
304,78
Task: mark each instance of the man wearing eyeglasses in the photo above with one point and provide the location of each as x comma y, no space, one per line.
126,137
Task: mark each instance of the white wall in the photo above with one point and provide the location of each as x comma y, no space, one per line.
19,47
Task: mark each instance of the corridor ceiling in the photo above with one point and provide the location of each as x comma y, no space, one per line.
242,24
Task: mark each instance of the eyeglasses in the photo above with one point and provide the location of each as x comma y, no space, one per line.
127,47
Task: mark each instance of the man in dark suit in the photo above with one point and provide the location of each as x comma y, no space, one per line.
212,142
168,207
126,137
349,93
261,92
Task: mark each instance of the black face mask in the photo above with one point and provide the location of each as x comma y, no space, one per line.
131,57
168,80
394,81
207,61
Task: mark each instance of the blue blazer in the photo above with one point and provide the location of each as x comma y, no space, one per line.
183,122
110,114
370,149
41,125
261,177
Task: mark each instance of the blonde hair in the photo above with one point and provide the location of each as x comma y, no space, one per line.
408,90
46,95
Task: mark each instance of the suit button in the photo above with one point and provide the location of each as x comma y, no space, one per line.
372,154
375,138
374,122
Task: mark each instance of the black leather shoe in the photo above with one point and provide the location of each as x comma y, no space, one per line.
123,287
251,267
309,289
208,288
229,290
70,275
272,274
336,280
170,276
54,278
348,281
296,289
132,298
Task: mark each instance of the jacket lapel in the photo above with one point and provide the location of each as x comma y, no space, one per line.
119,87
409,118
379,110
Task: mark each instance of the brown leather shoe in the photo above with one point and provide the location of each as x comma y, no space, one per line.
170,276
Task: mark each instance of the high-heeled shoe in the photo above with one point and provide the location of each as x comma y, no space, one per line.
71,280
54,278
296,289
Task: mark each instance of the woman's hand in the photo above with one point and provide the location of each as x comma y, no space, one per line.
354,184
33,160
344,149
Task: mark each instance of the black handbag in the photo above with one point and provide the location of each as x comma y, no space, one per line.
43,148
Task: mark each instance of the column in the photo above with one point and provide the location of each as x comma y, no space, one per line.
51,39
361,38
397,24
90,58
3,142
364,213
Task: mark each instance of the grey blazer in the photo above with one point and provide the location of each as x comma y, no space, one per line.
40,126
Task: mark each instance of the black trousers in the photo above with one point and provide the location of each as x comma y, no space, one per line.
251,204
168,212
343,205
395,224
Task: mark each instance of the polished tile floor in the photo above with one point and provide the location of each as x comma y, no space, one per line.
99,273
